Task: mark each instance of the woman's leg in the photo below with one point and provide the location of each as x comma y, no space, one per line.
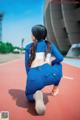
55,90
39,103
33,86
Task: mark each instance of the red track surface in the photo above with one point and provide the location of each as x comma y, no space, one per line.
65,106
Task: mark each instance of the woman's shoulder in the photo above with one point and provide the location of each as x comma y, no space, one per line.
28,46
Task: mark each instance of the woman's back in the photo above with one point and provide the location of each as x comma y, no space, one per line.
40,58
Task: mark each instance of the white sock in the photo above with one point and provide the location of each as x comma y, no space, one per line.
39,103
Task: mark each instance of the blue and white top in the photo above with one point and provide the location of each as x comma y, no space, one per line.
40,50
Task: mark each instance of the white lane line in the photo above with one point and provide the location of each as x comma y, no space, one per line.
67,77
11,61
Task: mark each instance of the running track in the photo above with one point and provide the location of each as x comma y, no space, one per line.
65,106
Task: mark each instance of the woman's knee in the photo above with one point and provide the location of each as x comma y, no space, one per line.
30,97
60,71
57,81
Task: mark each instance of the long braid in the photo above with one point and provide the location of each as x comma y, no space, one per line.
32,52
48,50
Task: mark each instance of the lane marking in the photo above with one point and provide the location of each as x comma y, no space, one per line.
67,77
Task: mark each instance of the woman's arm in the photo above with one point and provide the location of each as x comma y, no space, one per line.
27,52
55,52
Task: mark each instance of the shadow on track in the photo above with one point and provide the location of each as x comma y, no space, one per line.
21,100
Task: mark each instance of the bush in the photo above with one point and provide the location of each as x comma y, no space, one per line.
6,47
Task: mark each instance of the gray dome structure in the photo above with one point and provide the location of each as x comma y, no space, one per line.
62,20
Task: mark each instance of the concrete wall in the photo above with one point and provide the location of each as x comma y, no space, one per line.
47,22
62,20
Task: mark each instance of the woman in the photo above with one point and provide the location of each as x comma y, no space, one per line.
41,71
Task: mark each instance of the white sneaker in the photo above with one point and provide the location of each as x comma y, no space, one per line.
39,103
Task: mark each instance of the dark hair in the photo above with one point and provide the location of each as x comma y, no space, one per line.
39,32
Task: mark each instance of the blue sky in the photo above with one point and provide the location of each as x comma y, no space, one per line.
19,17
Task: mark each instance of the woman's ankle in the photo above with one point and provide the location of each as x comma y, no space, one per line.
55,90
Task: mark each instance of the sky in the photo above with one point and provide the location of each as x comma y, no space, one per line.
19,17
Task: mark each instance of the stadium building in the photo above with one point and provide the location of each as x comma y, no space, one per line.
62,20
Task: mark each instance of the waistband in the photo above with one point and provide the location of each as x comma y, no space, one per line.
41,66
